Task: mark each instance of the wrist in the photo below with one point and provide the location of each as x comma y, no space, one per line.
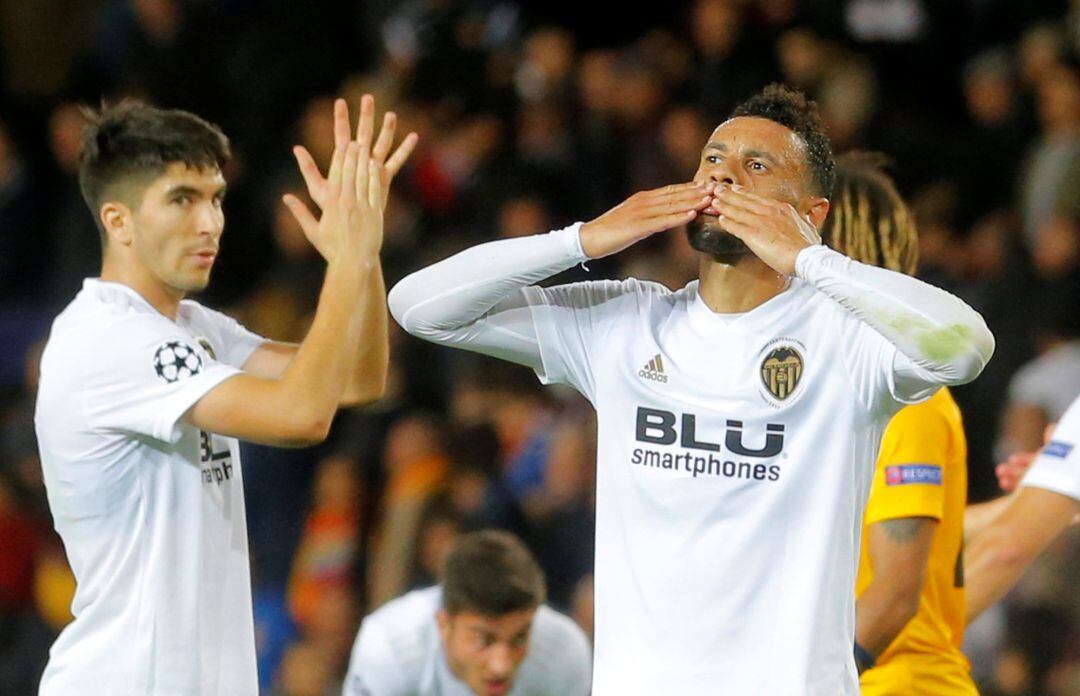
587,240
863,659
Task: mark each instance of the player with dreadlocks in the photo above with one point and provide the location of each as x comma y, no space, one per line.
909,613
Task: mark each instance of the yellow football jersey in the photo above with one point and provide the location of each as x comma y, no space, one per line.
922,472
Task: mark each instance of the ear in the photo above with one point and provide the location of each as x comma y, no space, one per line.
116,219
817,209
442,619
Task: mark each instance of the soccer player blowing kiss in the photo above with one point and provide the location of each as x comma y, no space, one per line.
731,490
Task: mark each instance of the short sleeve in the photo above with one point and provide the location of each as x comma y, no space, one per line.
909,478
144,374
227,339
373,668
571,322
1057,468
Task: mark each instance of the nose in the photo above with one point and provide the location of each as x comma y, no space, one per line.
211,220
725,173
500,661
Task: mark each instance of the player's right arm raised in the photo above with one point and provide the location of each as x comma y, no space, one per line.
474,299
297,408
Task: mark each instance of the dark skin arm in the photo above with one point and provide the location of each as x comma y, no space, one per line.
898,551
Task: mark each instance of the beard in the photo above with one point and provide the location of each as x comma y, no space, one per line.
706,236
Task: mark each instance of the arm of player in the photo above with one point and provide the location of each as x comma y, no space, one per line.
368,328
297,408
474,299
979,516
898,550
945,340
995,558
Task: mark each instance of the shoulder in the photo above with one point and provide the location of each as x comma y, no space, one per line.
405,626
593,292
936,417
558,638
202,318
407,613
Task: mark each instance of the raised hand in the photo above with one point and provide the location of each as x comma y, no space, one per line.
774,231
318,185
351,197
642,215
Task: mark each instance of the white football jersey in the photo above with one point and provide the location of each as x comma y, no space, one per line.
399,652
1057,468
150,509
734,459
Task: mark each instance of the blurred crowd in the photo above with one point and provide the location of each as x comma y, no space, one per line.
529,118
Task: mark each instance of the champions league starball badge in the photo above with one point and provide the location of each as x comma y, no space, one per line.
176,360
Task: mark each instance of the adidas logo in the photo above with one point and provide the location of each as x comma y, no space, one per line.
654,370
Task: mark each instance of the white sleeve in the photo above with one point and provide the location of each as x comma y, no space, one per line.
577,666
373,667
232,343
145,376
1057,468
479,300
939,339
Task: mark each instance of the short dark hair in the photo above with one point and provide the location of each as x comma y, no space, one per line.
132,142
791,109
492,573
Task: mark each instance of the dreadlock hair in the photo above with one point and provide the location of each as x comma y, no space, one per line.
791,109
868,220
128,144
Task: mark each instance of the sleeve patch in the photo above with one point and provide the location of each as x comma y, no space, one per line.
912,473
176,360
1057,448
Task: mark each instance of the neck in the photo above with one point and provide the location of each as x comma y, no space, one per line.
738,287
161,297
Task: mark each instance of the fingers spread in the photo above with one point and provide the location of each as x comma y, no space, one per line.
374,185
303,215
347,194
366,126
401,155
341,124
385,139
313,178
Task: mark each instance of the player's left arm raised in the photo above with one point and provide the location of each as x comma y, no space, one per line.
945,340
369,325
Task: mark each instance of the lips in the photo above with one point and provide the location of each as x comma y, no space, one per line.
205,256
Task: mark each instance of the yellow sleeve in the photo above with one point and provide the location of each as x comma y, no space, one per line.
909,478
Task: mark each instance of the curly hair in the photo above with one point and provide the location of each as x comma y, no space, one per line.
791,109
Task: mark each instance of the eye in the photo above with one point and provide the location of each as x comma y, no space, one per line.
756,166
712,159
183,199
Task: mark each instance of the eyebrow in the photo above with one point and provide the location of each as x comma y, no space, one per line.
760,154
187,190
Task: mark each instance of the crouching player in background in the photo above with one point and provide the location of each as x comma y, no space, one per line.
909,616
483,631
